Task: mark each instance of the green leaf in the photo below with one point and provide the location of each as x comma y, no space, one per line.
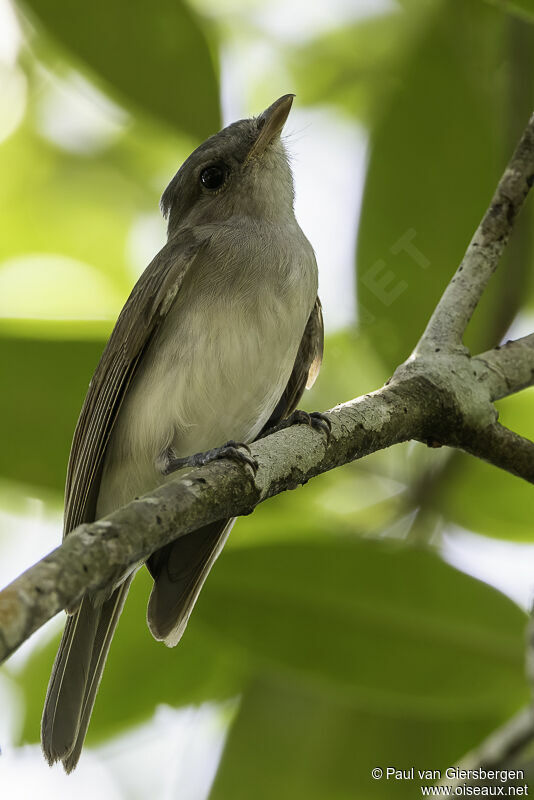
524,9
350,367
368,654
140,673
385,629
435,157
293,742
81,208
354,67
388,625
156,57
47,384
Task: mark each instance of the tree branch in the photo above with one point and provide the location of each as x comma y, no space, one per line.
453,312
507,368
440,395
499,446
102,553
499,750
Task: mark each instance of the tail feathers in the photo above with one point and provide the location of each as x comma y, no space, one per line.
76,676
179,570
66,688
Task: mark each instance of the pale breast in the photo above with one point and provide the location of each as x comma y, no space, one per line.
219,362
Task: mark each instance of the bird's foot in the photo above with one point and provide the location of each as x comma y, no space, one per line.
315,419
235,451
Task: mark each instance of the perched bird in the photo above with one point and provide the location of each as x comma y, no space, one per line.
216,342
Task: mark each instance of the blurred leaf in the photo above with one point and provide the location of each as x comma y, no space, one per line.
391,631
354,499
296,515
53,288
385,656
47,383
359,492
488,500
82,208
155,56
291,742
350,367
524,9
334,614
140,673
355,67
435,159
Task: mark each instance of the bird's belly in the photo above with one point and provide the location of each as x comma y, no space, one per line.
229,382
212,374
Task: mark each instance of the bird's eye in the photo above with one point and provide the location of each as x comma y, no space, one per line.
213,177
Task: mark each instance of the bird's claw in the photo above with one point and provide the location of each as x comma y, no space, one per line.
235,451
315,419
239,452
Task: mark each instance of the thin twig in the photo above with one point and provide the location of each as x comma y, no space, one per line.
496,752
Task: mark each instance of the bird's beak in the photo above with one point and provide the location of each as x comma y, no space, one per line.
271,123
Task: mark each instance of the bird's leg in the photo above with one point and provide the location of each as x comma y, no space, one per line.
315,419
235,451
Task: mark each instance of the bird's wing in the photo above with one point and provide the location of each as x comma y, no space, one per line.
306,367
144,310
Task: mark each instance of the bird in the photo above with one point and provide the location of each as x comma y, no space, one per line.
214,346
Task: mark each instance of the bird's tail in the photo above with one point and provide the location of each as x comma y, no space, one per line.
76,676
179,570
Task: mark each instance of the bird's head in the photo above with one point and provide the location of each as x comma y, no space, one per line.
242,170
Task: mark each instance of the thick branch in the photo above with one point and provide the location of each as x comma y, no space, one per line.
101,553
507,369
419,404
498,446
462,295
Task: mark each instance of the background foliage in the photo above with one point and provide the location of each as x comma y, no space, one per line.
331,616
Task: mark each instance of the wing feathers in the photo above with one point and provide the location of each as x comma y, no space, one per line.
305,369
148,303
